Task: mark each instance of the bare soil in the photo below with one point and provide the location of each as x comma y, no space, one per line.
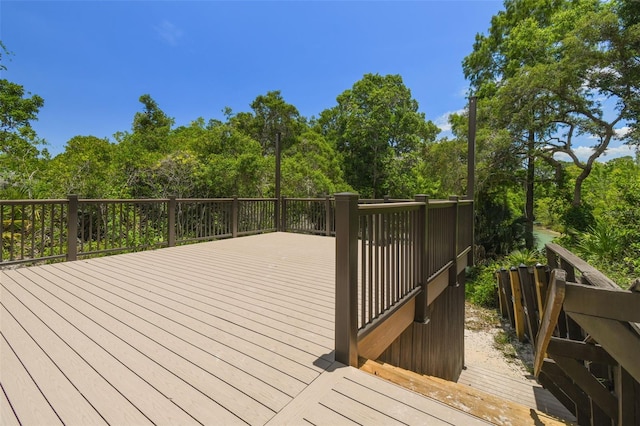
490,342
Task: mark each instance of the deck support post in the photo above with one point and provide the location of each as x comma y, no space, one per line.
234,217
346,325
327,215
421,314
72,227
283,214
453,271
171,225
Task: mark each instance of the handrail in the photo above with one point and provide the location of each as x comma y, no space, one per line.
388,254
586,335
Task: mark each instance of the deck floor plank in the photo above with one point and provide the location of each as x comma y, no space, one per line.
188,386
151,389
28,402
198,333
295,336
222,322
198,348
238,289
102,394
70,406
7,416
285,318
225,332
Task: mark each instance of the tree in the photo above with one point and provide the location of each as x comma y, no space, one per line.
151,127
375,123
20,158
311,168
549,69
85,168
271,115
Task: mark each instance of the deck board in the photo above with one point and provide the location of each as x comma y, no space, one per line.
188,383
238,331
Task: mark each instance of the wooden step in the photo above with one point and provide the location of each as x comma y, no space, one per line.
470,400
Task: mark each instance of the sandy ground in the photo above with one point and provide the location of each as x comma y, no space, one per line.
487,344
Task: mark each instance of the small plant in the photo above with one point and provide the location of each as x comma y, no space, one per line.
524,257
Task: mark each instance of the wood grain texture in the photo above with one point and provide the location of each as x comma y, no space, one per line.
236,331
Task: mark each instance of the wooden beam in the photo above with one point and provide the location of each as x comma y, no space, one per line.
602,302
542,283
527,286
372,344
622,342
555,297
580,350
505,286
437,285
558,393
628,396
488,407
569,388
518,309
589,384
589,273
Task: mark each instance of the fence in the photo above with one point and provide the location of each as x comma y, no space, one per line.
585,332
48,230
392,261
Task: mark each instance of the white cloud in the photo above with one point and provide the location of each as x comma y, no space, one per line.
583,153
443,121
168,32
621,132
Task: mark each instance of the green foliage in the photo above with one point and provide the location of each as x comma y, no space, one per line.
375,124
578,217
482,286
21,161
524,257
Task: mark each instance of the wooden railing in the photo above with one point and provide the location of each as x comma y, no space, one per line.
392,261
585,332
48,230
308,215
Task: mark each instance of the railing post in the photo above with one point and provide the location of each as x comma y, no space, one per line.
283,213
453,271
346,326
327,215
72,227
234,217
171,225
421,314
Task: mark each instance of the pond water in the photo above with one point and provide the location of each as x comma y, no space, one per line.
543,236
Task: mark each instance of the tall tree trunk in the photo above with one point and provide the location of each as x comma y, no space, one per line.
528,209
577,190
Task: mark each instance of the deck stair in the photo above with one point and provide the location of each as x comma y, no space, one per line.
484,405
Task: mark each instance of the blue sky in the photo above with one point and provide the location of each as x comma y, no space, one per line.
91,60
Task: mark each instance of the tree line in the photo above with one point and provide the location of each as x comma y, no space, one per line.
549,75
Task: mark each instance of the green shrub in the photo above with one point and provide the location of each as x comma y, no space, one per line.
482,287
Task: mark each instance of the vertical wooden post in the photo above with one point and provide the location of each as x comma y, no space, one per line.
72,227
327,215
283,214
171,225
346,326
278,220
471,152
421,314
453,271
234,217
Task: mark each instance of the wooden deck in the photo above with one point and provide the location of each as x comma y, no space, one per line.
238,331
